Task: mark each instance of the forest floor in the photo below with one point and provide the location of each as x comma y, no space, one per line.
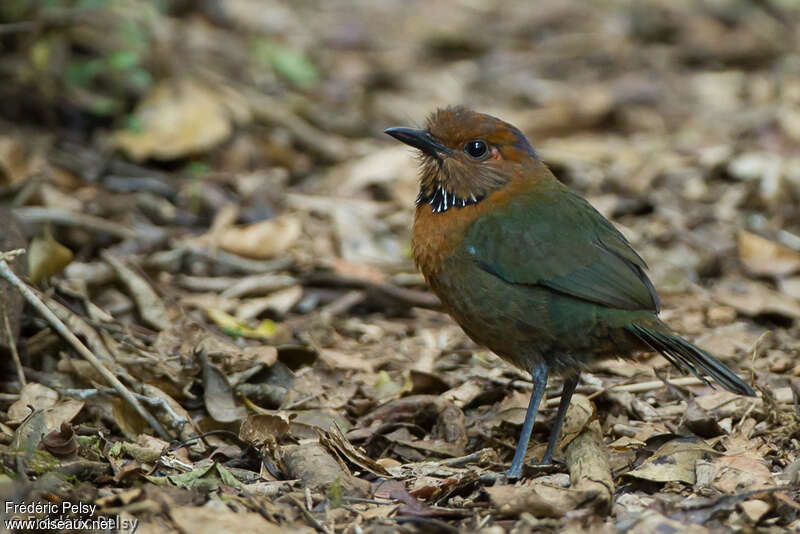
207,201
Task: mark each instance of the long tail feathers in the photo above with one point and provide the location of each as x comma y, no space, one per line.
687,357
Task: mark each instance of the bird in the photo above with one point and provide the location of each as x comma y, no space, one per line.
529,268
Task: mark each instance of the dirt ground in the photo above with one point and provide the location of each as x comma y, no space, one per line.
224,331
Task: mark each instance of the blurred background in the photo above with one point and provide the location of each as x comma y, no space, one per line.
231,153
679,119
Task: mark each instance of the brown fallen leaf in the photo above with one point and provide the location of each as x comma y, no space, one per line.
218,396
674,461
335,440
589,469
221,520
755,509
60,443
741,472
538,499
33,396
651,521
261,240
150,305
259,429
318,470
395,489
175,119
581,410
763,257
754,298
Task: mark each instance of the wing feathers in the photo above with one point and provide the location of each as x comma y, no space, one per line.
564,244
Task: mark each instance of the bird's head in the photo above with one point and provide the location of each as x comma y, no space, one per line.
464,156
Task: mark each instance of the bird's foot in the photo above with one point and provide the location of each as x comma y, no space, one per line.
534,468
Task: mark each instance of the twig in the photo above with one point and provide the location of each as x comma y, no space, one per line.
151,307
177,420
427,523
657,384
308,515
72,339
464,460
237,262
11,254
12,344
588,465
18,27
309,501
36,214
268,109
61,17
639,387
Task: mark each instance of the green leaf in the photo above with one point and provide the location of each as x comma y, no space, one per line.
123,60
294,66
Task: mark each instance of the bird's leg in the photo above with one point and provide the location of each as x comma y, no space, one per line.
566,394
539,375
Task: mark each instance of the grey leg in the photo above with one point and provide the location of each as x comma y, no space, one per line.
539,375
566,394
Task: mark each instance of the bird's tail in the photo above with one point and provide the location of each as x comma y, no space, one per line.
688,357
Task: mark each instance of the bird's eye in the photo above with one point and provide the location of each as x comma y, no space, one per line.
476,149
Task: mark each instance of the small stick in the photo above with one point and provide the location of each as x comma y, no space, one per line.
308,515
464,460
12,344
155,402
657,384
588,465
639,387
72,339
38,214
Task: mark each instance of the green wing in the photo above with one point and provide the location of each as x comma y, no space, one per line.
556,239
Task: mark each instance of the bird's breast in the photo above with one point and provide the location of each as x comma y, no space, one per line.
437,236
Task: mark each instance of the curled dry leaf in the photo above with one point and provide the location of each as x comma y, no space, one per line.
29,433
259,429
46,257
60,443
335,440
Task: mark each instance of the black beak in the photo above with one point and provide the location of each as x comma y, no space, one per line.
421,139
